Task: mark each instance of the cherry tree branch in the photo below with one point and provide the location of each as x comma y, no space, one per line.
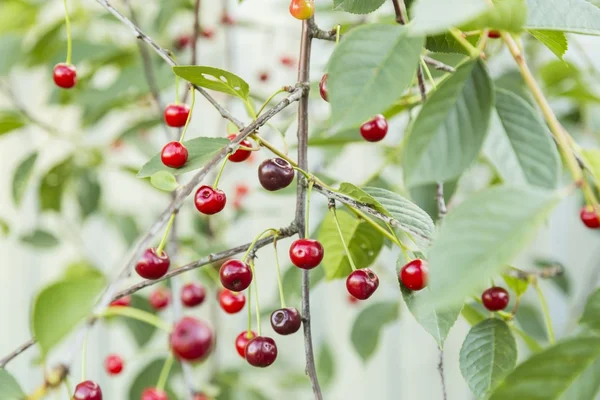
442,211
5,360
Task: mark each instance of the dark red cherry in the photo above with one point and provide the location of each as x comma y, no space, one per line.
261,351
154,394
263,76
191,339
87,390
209,201
286,321
323,87
192,294
235,275
176,115
414,274
494,34
589,217
240,154
362,283
242,340
207,33
152,265
159,298
183,41
375,129
124,301
231,302
495,298
174,155
227,19
306,253
65,76
113,364
275,174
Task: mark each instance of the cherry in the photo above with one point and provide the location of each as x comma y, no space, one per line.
174,155
375,129
241,189
495,298
261,351
240,154
306,253
275,174
209,201
176,115
207,33
113,364
65,76
152,265
323,87
494,34
87,390
227,19
160,298
590,217
414,274
235,275
124,301
183,41
362,283
288,61
242,340
191,339
231,302
263,76
286,321
192,294
154,394
302,9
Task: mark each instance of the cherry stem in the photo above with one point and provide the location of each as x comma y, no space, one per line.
68,26
84,356
249,309
255,280
266,103
428,73
279,282
337,224
165,237
545,311
164,373
187,121
137,314
337,34
256,239
303,172
215,185
307,220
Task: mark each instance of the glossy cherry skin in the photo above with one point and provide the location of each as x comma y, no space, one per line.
375,129
589,217
306,253
124,301
87,390
176,115
275,174
154,394
240,154
159,298
235,275
242,340
65,76
362,283
174,155
494,34
286,321
414,274
152,265
495,298
302,9
323,87
191,339
113,364
231,302
209,201
193,294
261,351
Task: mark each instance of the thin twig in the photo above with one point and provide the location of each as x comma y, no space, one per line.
442,211
16,352
438,64
441,203
196,32
440,368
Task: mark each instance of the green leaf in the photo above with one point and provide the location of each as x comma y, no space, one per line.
61,306
578,16
548,374
530,319
384,60
139,127
9,121
141,331
338,138
488,354
592,158
127,226
425,196
17,15
591,313
164,180
472,314
446,43
200,151
9,387
21,177
364,243
148,376
40,238
88,192
555,41
10,46
450,129
482,235
361,196
519,286
53,185
214,79
586,386
432,16
368,325
357,6
325,365
506,15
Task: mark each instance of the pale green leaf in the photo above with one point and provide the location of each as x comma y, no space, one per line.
10,46
433,16
586,386
338,138
325,365
9,121
214,79
555,41
147,377
141,331
40,238
506,15
88,192
9,387
21,177
368,325
519,286
591,313
357,6
578,16
53,185
446,43
361,196
472,314
164,180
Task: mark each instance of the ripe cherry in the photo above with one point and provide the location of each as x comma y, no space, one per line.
159,298
124,301
306,253
227,19
174,155
263,76
154,394
323,87
207,33
495,298
375,129
261,351
275,174
231,302
242,340
192,294
153,265
191,339
87,390
288,61
113,364
286,321
590,217
494,34
240,154
302,9
362,283
176,115
209,201
65,76
235,275
414,274
181,42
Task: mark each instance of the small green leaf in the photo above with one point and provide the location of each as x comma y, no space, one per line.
325,365
9,387
368,325
141,331
433,17
555,41
591,313
88,192
164,180
214,79
357,6
21,177
40,238
53,185
519,286
361,196
9,121
577,16
148,376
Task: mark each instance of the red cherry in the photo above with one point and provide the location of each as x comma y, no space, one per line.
235,275
191,339
414,274
288,61
306,253
154,394
240,154
124,301
87,390
261,351
231,302
182,41
495,298
192,294
113,364
242,340
263,76
176,115
159,298
227,19
209,201
302,9
275,174
323,87
494,34
241,189
362,283
207,33
174,155
65,76
375,129
286,321
152,265
590,217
